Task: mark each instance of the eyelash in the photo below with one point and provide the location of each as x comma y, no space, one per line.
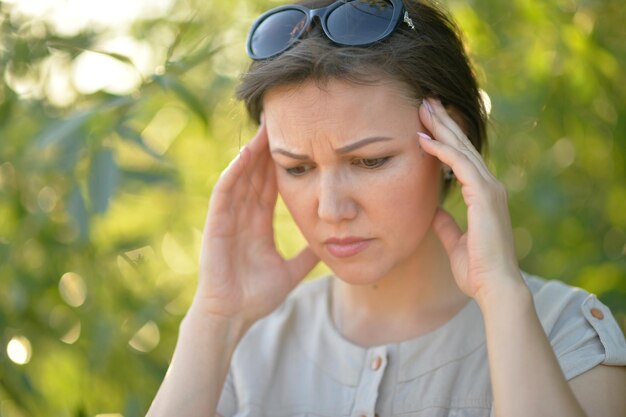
379,163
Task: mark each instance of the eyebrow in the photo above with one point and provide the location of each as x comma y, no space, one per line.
339,151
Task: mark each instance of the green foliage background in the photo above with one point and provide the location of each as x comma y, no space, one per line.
109,191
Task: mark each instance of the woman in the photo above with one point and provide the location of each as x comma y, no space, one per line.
365,121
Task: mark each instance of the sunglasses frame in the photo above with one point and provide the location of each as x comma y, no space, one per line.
322,15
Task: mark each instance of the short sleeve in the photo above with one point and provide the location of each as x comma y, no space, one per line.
582,332
227,405
608,331
581,329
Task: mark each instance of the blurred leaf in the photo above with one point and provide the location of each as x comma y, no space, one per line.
62,130
135,137
78,212
133,407
186,96
190,61
103,179
7,102
64,46
152,176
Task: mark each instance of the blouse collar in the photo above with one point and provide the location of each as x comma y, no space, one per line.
344,360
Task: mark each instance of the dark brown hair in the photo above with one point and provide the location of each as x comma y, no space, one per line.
430,60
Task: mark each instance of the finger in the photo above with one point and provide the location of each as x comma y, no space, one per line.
259,140
233,184
441,113
443,134
444,129
223,189
465,170
256,168
261,213
447,230
301,264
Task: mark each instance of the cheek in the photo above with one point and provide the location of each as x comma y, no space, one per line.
408,197
404,198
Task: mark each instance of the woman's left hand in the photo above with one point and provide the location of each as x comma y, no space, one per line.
483,258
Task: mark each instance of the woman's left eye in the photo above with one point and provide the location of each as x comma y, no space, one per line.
371,163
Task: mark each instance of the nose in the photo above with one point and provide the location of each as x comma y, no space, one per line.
335,202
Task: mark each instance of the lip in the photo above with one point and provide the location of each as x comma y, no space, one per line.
346,247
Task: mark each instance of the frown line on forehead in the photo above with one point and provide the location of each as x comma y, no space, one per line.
339,151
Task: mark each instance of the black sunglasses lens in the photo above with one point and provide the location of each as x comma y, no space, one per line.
276,32
360,22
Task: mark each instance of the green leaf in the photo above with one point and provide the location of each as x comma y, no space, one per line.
135,137
103,179
59,131
183,93
78,212
167,177
7,105
190,61
133,407
64,46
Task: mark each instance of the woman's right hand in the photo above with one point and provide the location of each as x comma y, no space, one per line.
242,276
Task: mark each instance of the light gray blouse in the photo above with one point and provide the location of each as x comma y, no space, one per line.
294,362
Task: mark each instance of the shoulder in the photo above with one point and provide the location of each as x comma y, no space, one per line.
271,356
305,301
581,329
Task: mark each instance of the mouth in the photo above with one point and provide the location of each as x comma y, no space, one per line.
346,247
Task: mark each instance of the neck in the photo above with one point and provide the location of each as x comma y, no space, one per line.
412,299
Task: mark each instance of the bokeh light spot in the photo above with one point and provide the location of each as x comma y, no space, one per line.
66,323
94,71
73,289
564,153
486,101
72,334
19,350
47,199
146,338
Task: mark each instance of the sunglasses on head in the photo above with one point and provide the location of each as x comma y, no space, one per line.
345,22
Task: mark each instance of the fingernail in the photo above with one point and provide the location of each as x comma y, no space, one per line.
424,136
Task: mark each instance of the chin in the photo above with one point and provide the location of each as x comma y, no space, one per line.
357,273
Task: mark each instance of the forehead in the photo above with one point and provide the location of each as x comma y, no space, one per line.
311,94
336,110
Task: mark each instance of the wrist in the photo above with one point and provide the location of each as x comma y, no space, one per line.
512,293
229,329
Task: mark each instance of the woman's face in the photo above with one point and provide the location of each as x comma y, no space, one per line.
349,166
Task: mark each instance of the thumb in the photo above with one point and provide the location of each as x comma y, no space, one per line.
301,264
446,229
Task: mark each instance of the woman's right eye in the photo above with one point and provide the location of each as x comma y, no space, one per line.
298,170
